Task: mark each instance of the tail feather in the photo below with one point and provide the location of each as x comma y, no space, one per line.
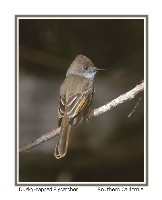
62,143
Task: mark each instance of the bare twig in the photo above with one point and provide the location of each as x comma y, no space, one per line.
40,140
135,107
94,113
119,100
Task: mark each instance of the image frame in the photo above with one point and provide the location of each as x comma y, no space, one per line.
17,183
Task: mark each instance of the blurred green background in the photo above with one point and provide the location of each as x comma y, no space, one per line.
110,148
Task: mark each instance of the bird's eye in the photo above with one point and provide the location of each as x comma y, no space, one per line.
85,67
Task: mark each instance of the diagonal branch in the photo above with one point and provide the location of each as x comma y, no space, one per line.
40,140
94,113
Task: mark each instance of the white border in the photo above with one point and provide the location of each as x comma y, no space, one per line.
145,101
17,82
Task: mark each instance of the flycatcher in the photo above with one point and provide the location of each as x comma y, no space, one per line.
76,94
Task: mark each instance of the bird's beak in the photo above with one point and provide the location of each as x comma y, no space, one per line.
98,69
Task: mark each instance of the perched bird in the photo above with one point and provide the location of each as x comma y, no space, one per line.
76,94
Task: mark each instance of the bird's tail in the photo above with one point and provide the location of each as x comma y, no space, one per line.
62,143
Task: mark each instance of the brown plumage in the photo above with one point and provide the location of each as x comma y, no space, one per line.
76,94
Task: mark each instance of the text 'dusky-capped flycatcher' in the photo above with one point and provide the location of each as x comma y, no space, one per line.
76,94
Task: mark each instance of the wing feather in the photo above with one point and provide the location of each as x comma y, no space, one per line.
75,103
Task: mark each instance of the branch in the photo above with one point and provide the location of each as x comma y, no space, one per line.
119,100
40,140
94,113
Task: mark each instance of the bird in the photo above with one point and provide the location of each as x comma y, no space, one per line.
76,95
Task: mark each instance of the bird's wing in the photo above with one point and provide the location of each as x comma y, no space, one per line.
77,107
75,99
